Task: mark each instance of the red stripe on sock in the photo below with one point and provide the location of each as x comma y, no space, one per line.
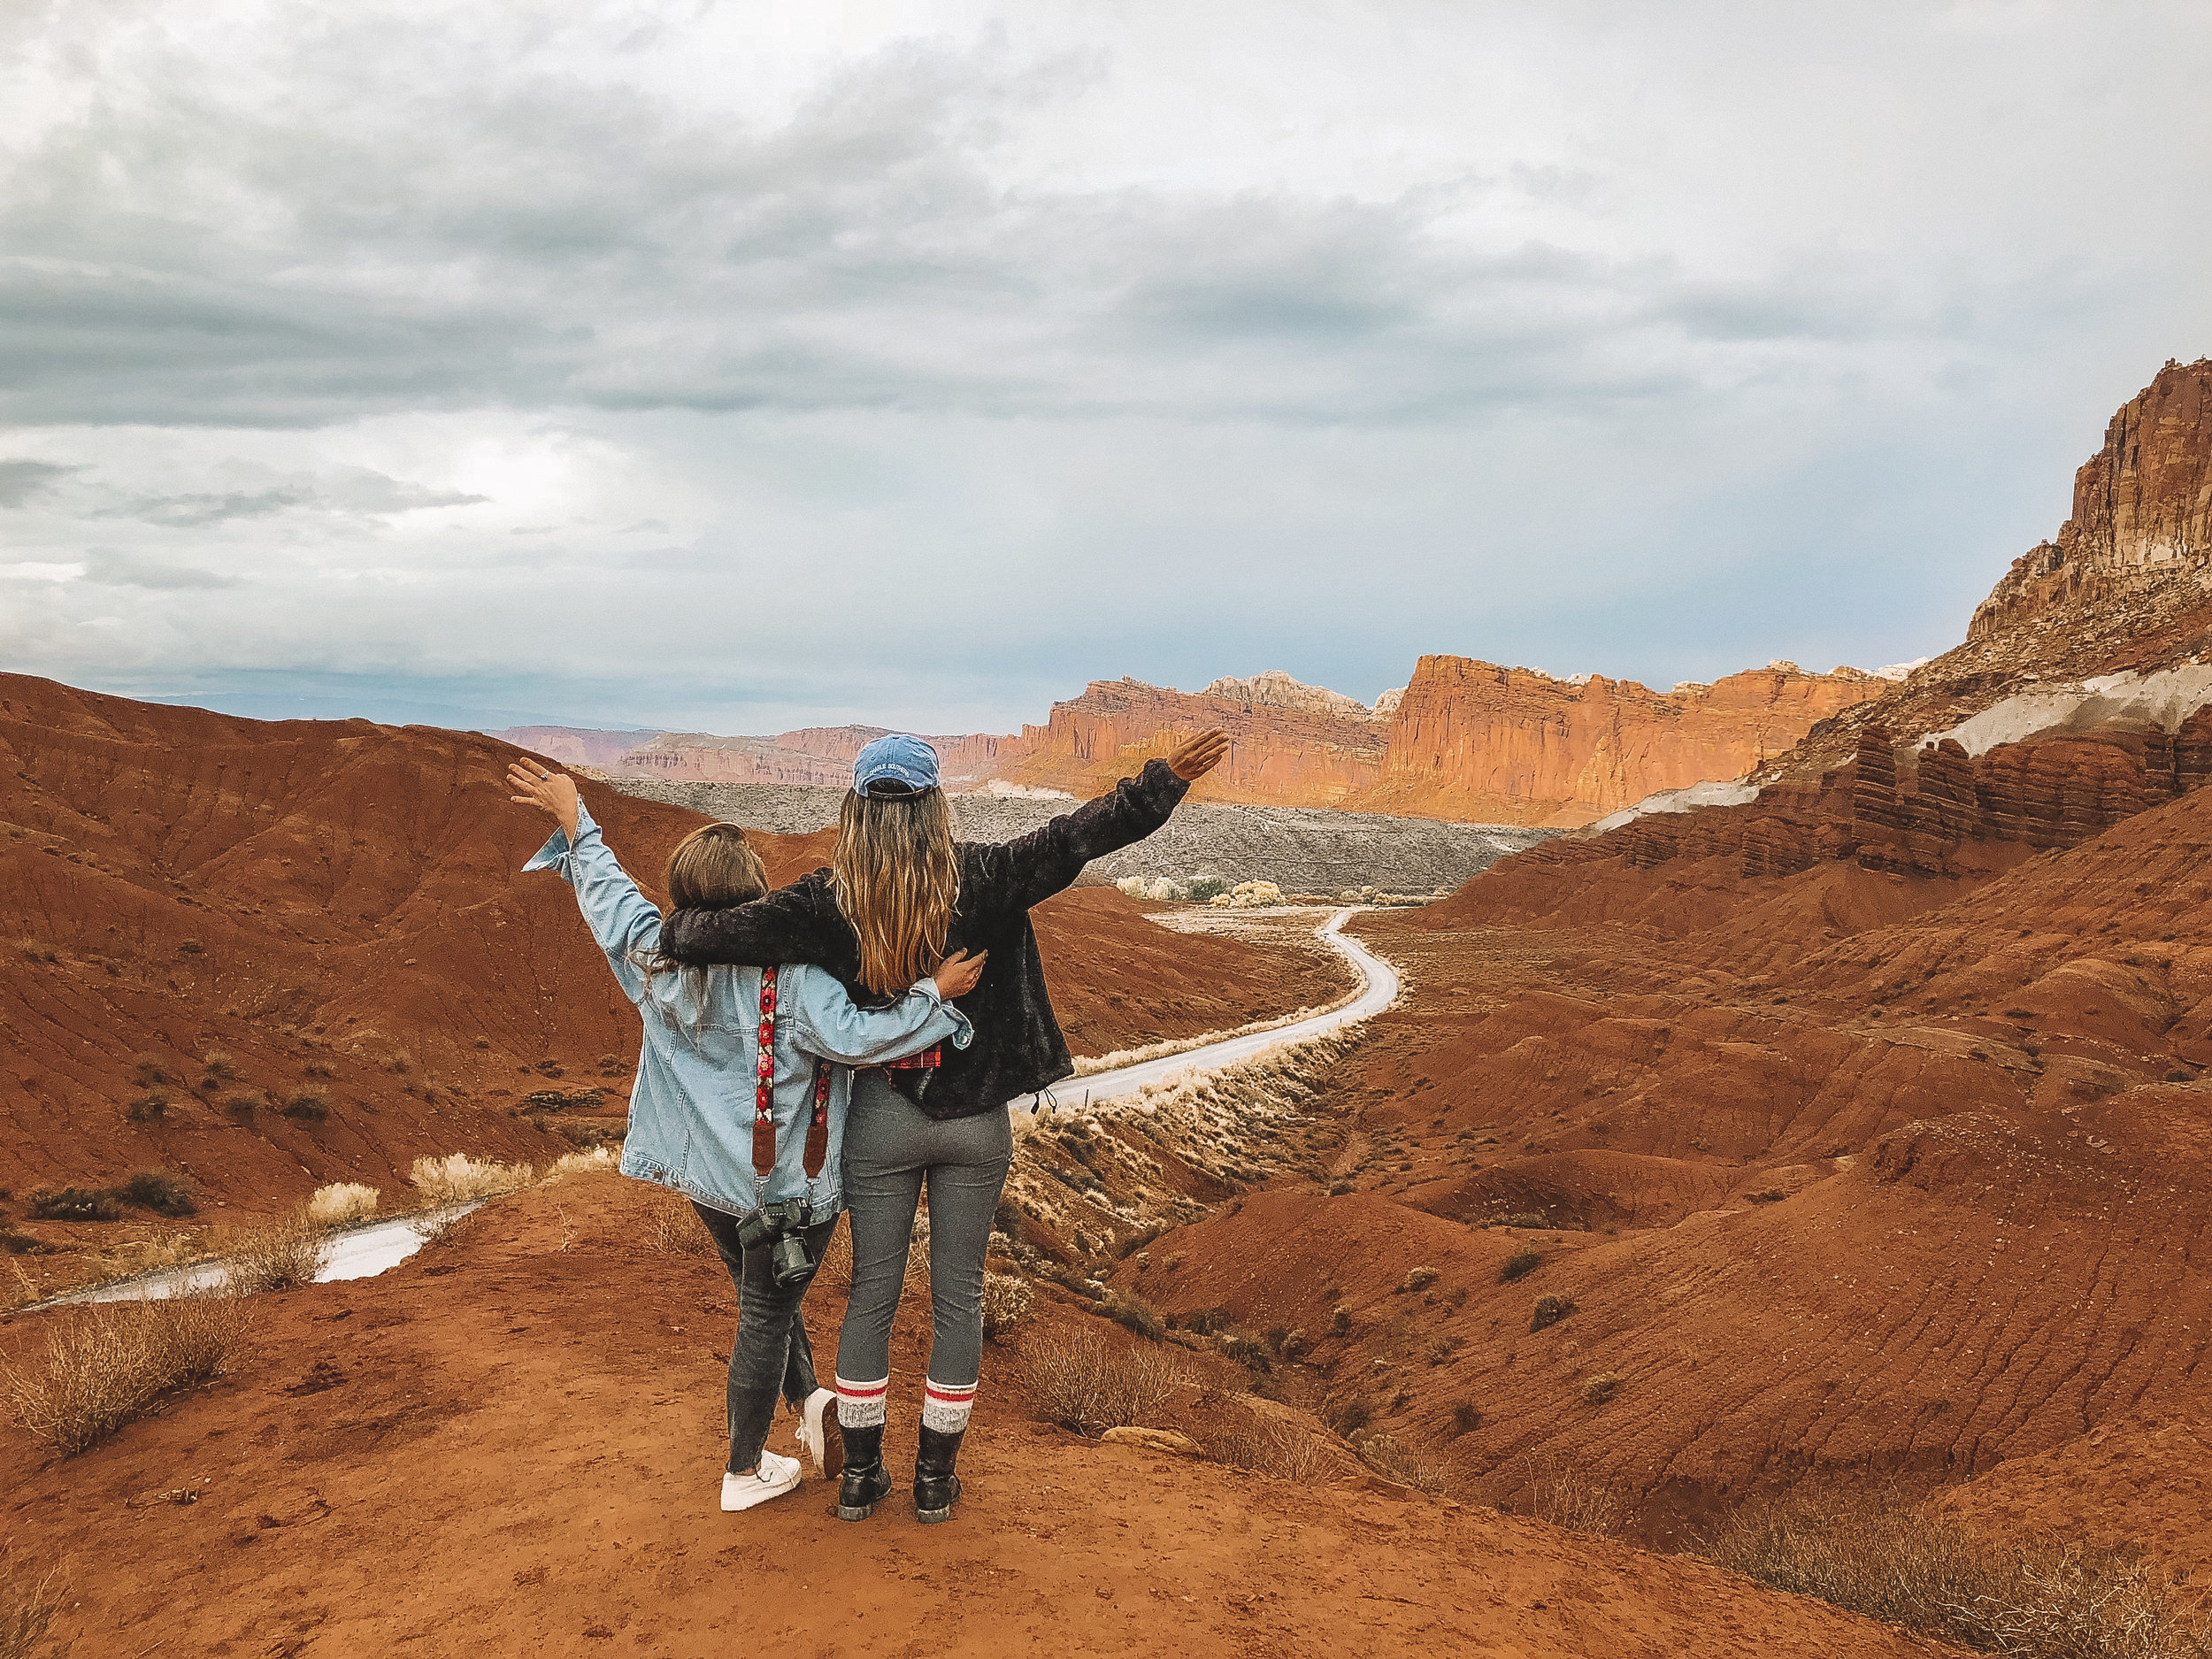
864,1391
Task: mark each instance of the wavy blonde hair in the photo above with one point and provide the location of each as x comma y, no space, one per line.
897,879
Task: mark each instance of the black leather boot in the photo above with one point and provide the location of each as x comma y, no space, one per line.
865,1482
936,1488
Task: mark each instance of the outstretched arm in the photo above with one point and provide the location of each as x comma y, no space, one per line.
1046,860
621,919
800,923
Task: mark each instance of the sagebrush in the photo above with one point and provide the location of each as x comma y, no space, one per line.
1082,1382
108,1365
281,1255
342,1201
1878,1551
458,1178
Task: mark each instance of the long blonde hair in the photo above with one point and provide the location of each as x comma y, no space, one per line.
897,879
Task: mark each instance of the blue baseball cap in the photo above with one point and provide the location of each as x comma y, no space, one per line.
895,765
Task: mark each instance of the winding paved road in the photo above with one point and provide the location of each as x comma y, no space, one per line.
1380,991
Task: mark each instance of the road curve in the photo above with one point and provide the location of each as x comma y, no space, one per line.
1380,991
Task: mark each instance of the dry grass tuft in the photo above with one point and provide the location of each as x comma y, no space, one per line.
281,1255
1080,1382
598,1161
342,1201
673,1228
1875,1550
460,1178
1409,1466
26,1609
1244,1439
111,1364
1602,1388
441,1224
1006,1299
1569,1498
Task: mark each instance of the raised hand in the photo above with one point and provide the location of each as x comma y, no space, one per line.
553,792
957,973
1199,755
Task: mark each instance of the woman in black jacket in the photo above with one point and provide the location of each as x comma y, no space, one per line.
900,894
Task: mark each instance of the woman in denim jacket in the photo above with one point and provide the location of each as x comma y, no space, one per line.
693,1106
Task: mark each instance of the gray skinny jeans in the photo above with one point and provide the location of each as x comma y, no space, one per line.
771,1346
892,1148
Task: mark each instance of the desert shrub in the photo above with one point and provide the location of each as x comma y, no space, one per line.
1081,1383
1418,1279
74,1203
309,1105
220,1064
1409,1466
440,1224
458,1178
112,1364
242,1107
1568,1497
1465,1419
319,1069
1527,1218
14,1243
147,1109
1550,1311
1600,1387
1339,1320
1874,1550
1006,1299
1243,1438
673,1229
281,1255
1204,890
1349,1418
1341,1187
149,1070
1132,1311
1520,1264
1246,896
399,1063
2179,1076
342,1201
26,1608
158,1190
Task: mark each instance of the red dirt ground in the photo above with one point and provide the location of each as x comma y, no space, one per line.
511,1444
1842,1171
337,907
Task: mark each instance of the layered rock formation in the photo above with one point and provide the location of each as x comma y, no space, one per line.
1475,740
1464,740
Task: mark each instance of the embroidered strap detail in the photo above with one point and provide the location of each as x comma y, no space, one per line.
928,1060
764,1096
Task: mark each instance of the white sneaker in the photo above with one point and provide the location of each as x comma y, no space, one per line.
775,1477
819,1434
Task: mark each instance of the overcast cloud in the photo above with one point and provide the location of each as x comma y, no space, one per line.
724,367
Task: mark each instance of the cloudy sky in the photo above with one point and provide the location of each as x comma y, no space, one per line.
735,366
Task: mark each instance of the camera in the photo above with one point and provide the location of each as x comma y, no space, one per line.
780,1226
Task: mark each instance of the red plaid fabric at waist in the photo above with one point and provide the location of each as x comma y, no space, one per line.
928,1060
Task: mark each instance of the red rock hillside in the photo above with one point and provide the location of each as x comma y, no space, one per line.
1851,1130
310,943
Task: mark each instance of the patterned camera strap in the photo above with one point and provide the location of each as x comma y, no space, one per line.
765,1095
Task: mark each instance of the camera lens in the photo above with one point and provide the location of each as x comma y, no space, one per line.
789,1261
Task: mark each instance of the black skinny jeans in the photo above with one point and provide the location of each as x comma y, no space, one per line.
771,1346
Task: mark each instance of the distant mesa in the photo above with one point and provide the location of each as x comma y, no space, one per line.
1463,740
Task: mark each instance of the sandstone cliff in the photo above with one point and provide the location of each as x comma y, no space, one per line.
1473,740
2079,697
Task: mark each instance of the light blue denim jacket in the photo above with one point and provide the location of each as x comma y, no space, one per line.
691,1109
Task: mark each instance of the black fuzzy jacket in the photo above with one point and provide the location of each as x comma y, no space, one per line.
1017,1047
